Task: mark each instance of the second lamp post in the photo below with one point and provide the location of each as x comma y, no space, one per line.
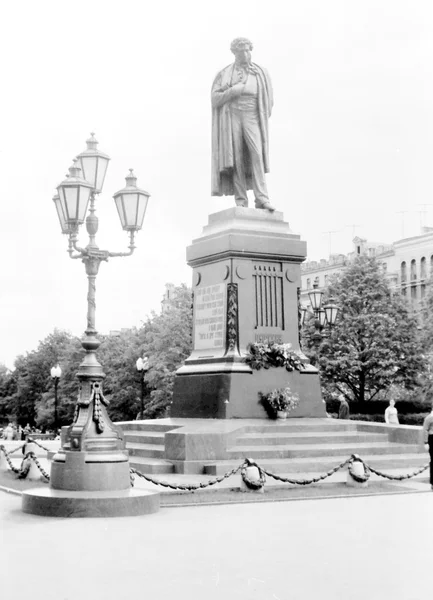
142,365
56,373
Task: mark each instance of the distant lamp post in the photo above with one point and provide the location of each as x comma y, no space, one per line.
56,373
93,447
142,365
324,316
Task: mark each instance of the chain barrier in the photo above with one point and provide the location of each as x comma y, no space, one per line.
33,441
188,488
30,456
308,481
11,451
397,477
7,457
40,467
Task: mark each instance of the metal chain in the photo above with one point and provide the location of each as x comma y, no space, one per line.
32,441
40,467
308,481
14,469
14,450
188,488
398,477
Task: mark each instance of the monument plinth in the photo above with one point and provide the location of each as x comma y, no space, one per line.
246,275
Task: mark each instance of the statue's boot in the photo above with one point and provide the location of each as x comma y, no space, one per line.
265,205
241,202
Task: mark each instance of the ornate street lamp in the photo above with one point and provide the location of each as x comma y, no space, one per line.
93,458
142,365
315,296
56,373
324,317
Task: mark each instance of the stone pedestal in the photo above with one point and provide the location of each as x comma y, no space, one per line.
246,281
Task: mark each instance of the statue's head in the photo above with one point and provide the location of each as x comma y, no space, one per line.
241,48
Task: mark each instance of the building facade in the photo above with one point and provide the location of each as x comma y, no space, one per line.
407,263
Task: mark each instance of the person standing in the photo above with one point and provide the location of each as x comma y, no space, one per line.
428,439
391,415
344,411
241,106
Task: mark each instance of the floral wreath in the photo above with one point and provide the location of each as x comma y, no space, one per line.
266,355
252,485
359,478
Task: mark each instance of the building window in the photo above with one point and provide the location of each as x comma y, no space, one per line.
384,267
326,279
358,250
403,292
423,290
308,284
413,293
431,265
403,272
413,269
423,268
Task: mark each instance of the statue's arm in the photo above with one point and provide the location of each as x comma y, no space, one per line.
221,94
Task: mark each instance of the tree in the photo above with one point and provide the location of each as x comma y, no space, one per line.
118,355
34,391
374,343
167,343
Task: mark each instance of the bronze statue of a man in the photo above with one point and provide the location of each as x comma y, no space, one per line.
241,106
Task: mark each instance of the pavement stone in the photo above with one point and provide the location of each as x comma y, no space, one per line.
374,548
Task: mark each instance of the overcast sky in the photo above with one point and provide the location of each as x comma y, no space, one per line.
351,136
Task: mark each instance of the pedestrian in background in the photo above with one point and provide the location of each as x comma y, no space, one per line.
428,439
391,415
344,411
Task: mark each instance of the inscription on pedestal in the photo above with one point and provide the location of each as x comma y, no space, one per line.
267,338
210,317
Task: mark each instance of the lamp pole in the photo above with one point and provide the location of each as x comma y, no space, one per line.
56,373
142,365
92,431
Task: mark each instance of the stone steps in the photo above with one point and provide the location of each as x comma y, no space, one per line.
151,466
303,437
129,426
314,450
144,437
146,450
301,425
322,464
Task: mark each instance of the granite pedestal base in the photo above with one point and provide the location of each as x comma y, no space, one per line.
236,395
48,502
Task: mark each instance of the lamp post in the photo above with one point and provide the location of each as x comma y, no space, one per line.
142,365
325,316
56,373
90,473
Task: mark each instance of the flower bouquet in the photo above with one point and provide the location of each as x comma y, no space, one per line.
279,402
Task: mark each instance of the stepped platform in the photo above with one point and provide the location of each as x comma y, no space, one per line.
295,447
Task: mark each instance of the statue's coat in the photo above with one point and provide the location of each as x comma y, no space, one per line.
222,137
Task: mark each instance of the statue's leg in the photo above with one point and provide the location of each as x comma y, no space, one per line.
253,139
239,178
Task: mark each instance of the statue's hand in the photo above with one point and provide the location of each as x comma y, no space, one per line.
237,89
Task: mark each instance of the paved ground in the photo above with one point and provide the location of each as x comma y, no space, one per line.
371,548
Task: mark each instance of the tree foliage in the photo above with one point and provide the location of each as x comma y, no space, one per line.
374,343
27,392
167,343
